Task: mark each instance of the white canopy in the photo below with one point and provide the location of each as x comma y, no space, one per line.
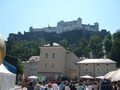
109,75
32,77
86,77
4,70
116,76
100,77
7,79
113,75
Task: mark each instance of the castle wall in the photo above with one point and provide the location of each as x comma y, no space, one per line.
68,26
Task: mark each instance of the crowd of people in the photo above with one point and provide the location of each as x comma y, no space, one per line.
74,85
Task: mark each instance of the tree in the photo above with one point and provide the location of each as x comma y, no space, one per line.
115,52
20,67
81,48
108,45
64,42
95,45
24,49
19,70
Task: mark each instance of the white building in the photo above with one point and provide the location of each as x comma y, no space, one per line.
96,67
68,26
54,62
31,66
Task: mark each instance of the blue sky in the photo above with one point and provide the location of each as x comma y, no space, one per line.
19,15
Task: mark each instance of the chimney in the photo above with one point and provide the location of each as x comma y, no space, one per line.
51,44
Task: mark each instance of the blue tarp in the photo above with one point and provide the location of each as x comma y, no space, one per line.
10,67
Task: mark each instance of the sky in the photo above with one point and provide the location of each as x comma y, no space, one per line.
18,15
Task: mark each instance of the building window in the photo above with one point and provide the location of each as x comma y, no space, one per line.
107,69
45,64
107,64
52,65
46,55
53,55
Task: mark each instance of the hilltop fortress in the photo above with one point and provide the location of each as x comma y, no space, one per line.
67,26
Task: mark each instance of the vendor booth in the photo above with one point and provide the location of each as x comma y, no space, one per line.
7,79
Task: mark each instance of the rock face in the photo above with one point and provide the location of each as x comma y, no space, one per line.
2,49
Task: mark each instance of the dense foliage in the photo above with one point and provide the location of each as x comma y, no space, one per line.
82,42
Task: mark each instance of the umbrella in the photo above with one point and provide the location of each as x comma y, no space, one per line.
100,77
32,77
116,76
109,75
86,77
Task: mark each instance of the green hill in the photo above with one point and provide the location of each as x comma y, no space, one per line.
80,42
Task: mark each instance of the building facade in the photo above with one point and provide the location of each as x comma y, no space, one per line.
57,62
96,67
31,66
54,62
68,26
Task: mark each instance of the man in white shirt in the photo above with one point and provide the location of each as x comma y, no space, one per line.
55,86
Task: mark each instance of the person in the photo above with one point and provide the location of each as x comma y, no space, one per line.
114,86
72,85
118,85
95,86
80,86
62,86
105,85
90,87
49,87
30,86
67,86
43,87
37,86
22,77
55,86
